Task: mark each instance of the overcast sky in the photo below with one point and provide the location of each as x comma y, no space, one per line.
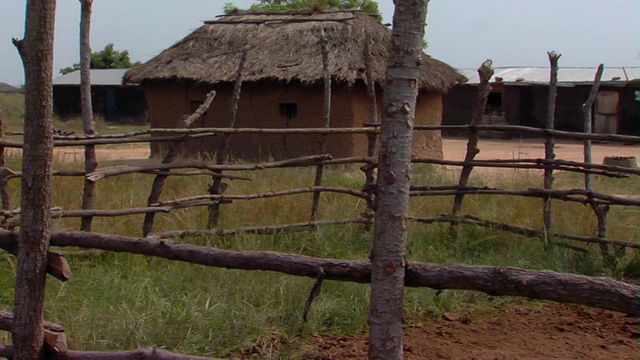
462,33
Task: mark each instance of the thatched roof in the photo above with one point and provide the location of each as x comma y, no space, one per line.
284,47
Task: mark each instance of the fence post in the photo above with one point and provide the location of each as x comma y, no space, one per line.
484,88
172,154
327,122
549,148
372,138
218,187
599,210
90,161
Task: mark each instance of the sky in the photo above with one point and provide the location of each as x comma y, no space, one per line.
462,33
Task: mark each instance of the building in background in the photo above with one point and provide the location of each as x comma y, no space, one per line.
111,100
519,96
283,82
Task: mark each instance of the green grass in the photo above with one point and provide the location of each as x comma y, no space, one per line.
120,301
123,301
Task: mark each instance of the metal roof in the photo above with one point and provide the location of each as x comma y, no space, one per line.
566,76
99,77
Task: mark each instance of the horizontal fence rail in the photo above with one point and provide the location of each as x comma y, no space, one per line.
199,168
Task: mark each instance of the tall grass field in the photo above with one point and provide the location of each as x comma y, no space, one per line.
118,301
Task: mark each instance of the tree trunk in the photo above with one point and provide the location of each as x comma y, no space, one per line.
90,162
36,50
388,261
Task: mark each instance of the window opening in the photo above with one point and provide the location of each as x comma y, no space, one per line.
289,110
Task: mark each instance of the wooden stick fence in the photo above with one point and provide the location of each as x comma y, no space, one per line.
599,292
549,285
166,169
172,154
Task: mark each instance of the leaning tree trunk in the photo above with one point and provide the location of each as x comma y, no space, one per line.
388,261
36,50
90,162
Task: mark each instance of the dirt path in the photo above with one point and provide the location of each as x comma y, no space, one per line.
76,154
490,149
453,148
511,331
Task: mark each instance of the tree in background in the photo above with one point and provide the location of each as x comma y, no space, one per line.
369,6
107,58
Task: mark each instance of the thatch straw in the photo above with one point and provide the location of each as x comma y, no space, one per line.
284,47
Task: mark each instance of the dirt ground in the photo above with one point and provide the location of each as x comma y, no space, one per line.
512,331
453,148
522,331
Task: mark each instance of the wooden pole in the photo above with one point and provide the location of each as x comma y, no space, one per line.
36,51
172,154
484,88
373,103
599,292
388,256
326,113
586,113
549,153
90,161
218,187
600,210
372,138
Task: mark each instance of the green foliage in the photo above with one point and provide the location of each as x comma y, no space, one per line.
369,6
107,58
229,9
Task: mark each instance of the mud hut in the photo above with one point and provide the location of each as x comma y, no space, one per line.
282,81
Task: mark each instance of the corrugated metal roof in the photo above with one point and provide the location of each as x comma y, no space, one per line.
566,76
99,77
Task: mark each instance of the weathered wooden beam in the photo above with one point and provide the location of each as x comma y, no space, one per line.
599,292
